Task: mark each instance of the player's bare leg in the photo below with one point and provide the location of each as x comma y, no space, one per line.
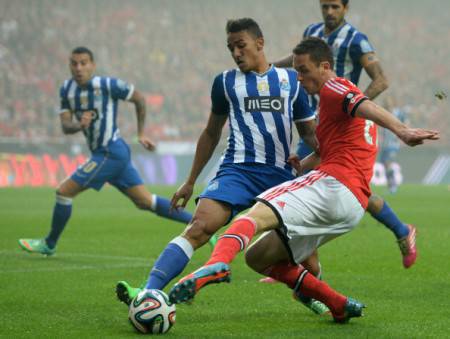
67,190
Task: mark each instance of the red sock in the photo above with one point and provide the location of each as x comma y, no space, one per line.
234,240
297,278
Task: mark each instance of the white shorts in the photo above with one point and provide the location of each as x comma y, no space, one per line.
312,209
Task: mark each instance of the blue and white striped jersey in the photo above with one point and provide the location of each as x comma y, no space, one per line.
261,109
348,46
100,95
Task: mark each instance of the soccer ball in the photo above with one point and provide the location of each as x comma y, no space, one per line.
151,312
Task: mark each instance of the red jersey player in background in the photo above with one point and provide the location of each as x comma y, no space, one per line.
300,215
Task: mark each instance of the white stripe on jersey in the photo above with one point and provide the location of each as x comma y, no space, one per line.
238,136
287,123
109,109
338,85
337,90
94,140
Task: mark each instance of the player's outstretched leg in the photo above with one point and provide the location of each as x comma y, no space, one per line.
305,284
171,262
186,288
405,234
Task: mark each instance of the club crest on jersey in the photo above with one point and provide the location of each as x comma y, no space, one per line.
284,85
264,104
83,99
263,86
213,185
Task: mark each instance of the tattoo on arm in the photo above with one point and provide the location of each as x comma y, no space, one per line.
379,81
140,114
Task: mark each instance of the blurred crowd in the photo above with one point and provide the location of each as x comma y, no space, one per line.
172,49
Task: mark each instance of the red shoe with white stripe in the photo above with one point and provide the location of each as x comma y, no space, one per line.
408,247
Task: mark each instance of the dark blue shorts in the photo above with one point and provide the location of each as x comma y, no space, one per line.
114,167
237,185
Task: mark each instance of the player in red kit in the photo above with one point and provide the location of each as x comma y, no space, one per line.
300,215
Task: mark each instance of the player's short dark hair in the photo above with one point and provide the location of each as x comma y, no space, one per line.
318,50
83,50
344,2
244,24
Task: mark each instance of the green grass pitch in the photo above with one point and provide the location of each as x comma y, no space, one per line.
71,295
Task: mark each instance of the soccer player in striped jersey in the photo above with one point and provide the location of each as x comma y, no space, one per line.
89,104
261,103
302,214
390,145
353,52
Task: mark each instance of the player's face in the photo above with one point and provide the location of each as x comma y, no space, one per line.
81,67
308,73
245,50
333,13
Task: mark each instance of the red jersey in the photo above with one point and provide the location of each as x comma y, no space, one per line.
348,144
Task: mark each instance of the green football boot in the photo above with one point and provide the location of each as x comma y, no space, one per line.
315,306
213,241
126,293
36,246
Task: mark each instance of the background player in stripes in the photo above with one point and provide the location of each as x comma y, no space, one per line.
389,145
302,214
261,103
90,104
353,52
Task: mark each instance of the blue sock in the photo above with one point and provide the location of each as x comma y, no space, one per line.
170,263
388,218
161,206
61,214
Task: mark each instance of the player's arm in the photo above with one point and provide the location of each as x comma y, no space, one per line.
372,66
306,164
411,136
139,104
209,138
307,131
69,126
206,145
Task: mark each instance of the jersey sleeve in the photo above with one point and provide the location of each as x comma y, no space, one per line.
360,46
219,102
64,101
352,99
301,109
121,90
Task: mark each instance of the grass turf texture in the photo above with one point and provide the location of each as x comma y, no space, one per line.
71,295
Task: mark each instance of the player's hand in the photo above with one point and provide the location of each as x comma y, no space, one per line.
185,193
148,144
86,119
294,161
417,136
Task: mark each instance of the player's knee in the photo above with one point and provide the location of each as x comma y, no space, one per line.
197,232
375,204
143,204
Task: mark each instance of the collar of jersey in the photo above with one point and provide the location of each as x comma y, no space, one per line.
263,74
335,32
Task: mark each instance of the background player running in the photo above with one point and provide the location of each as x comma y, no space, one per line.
89,104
